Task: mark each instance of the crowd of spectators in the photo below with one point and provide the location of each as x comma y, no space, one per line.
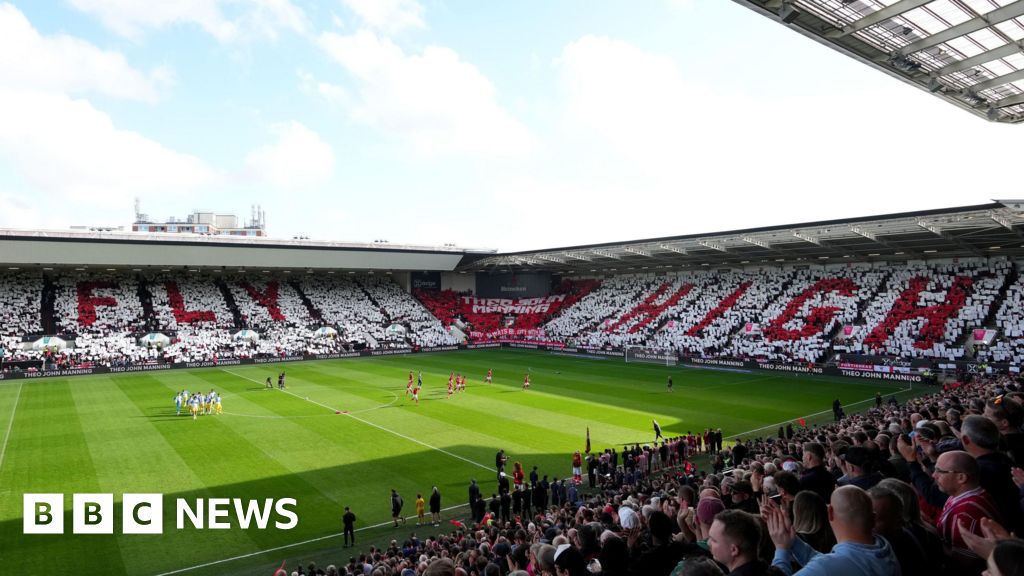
585,322
1010,321
930,487
423,329
462,309
925,309
21,295
908,311
105,317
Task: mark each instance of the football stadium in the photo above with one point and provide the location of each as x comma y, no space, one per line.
841,396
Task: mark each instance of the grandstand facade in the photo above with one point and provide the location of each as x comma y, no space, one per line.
897,296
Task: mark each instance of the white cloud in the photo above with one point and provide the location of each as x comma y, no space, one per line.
66,64
388,16
299,158
680,4
225,20
637,102
67,148
433,101
64,147
678,156
19,211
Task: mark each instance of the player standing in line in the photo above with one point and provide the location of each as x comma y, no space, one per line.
460,383
577,468
416,394
408,385
490,372
280,381
517,475
526,382
220,410
451,385
669,383
177,405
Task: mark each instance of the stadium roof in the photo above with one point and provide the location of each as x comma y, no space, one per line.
967,52
113,250
984,230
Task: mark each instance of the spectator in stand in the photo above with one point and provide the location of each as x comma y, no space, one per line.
858,551
1008,417
815,477
810,520
980,439
957,475
890,524
857,463
734,539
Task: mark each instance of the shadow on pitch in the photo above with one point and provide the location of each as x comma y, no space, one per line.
321,495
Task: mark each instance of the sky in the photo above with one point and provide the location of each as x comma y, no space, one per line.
509,126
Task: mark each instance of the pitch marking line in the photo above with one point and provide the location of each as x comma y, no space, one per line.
907,389
377,426
7,435
286,546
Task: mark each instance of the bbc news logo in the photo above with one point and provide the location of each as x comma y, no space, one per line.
144,513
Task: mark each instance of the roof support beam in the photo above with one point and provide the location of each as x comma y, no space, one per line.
1007,102
978,59
756,242
636,251
670,248
930,227
973,25
551,258
934,229
806,238
993,82
576,256
877,17
1005,222
712,245
606,254
862,232
1001,220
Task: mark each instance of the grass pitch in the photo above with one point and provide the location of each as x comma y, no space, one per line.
119,434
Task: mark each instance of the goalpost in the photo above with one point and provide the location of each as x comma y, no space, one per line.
650,355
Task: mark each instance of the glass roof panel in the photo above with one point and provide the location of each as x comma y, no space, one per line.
1012,28
899,41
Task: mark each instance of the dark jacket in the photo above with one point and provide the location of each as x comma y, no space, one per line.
996,479
819,481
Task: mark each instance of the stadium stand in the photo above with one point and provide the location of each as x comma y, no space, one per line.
20,298
909,311
517,320
1010,321
398,307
